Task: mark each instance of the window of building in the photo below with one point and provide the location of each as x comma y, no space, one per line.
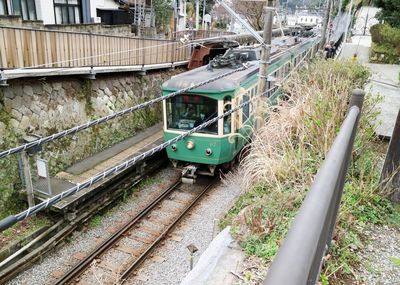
68,11
25,8
3,7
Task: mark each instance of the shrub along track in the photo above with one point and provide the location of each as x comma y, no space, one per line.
53,236
119,255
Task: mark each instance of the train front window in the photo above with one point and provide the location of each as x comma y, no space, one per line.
184,112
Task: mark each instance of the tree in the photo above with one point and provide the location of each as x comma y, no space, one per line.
251,11
221,17
390,12
163,13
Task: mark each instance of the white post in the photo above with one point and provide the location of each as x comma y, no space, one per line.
204,12
348,21
28,178
197,14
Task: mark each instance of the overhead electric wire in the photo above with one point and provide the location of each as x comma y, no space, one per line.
112,116
12,219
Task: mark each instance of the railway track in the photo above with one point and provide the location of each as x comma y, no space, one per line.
134,241
63,227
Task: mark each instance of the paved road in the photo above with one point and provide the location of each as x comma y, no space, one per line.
385,77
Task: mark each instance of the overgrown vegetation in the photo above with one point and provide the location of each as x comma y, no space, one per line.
20,230
385,44
9,173
285,156
390,12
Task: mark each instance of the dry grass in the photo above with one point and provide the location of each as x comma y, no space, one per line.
300,128
280,163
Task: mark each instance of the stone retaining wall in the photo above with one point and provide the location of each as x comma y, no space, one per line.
44,107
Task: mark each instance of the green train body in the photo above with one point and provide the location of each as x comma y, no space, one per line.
220,143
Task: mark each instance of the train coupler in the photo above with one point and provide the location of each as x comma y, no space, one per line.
189,174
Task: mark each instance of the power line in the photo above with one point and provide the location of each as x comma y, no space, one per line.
112,116
12,219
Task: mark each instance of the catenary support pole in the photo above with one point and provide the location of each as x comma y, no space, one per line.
265,52
325,24
197,14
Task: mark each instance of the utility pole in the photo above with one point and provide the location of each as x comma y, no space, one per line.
265,52
348,21
204,12
365,26
197,14
325,25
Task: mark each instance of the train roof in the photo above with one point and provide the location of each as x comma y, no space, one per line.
223,85
226,84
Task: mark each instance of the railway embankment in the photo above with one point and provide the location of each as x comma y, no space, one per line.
279,169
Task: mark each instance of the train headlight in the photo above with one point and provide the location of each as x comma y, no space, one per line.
173,147
208,151
190,144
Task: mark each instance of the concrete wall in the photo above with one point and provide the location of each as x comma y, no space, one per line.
97,28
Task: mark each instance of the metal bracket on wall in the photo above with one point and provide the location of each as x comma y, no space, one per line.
3,79
91,75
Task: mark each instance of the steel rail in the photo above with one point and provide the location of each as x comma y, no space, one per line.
99,202
77,270
142,257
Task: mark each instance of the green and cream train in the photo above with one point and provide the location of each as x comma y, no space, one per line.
217,145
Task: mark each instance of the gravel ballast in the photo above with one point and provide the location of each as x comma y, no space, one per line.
82,242
171,262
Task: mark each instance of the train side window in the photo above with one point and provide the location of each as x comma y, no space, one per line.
246,109
227,119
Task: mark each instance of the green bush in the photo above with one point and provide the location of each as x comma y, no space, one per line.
386,44
382,33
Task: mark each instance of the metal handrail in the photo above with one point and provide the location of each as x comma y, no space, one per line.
299,259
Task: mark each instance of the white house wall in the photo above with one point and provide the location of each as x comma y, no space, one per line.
45,11
101,4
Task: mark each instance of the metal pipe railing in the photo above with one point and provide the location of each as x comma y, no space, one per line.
299,259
